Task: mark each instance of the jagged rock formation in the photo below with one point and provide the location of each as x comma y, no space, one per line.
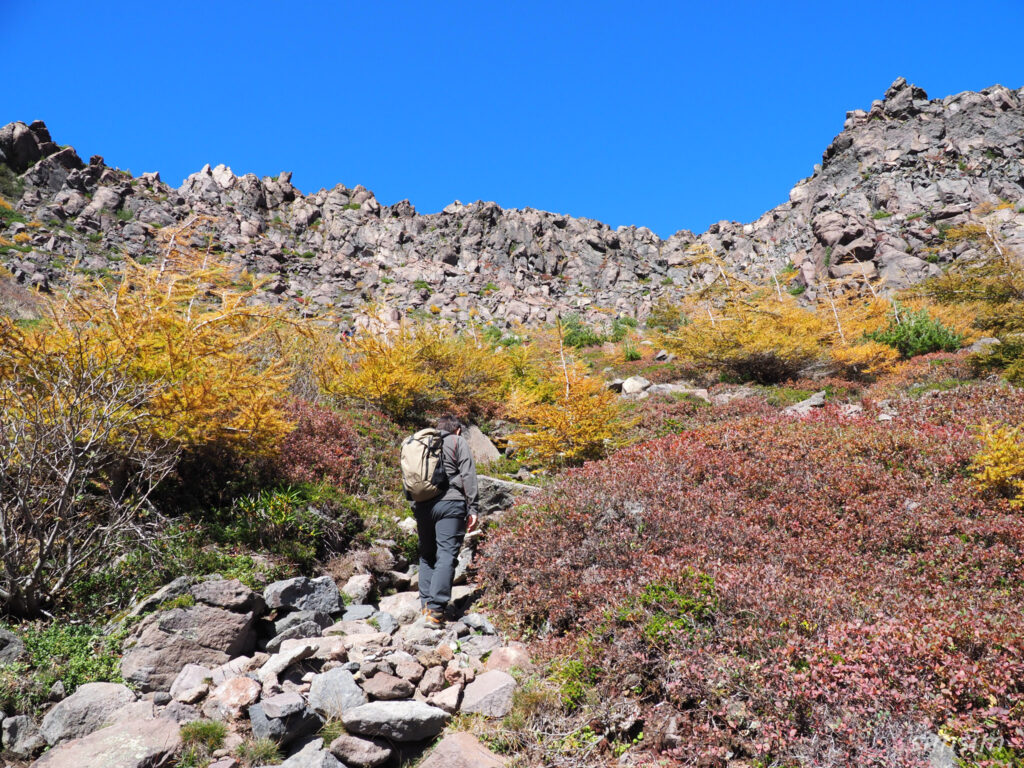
874,210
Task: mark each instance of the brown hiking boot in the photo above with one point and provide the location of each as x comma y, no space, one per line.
433,618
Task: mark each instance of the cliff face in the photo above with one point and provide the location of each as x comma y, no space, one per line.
875,209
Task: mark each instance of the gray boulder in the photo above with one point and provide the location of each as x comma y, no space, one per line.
496,496
11,647
312,755
296,631
358,612
86,710
294,723
804,407
304,594
201,634
230,594
137,743
322,620
396,720
359,752
335,691
490,694
21,737
483,450
634,385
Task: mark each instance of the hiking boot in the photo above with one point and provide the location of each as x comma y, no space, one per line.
434,617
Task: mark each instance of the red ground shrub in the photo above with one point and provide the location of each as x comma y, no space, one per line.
321,448
865,594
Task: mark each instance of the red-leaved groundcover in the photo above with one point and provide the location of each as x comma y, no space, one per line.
831,589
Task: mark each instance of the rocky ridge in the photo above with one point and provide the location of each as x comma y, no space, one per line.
875,209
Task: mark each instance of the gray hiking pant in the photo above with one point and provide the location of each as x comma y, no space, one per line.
442,527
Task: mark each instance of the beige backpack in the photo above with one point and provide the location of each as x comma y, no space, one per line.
423,473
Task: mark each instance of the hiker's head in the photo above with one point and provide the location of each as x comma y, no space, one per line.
449,423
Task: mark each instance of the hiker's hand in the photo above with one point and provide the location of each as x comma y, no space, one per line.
471,522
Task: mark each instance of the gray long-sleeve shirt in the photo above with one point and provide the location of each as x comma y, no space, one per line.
461,469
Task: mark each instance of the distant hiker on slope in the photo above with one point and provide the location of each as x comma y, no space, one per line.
439,476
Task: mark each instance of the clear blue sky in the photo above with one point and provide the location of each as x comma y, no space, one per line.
664,114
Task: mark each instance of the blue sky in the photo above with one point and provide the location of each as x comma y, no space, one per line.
669,115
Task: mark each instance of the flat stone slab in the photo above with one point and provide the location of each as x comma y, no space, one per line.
84,711
396,720
490,694
131,744
462,750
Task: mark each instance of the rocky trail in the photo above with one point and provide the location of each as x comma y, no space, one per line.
280,665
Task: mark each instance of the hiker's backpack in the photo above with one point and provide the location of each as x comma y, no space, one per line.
423,472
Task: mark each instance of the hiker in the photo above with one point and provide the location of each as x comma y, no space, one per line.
442,521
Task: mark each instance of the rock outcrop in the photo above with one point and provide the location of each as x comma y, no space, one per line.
875,209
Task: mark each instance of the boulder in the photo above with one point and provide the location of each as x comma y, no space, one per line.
483,450
634,385
279,662
461,750
11,647
490,694
432,681
287,728
358,612
299,631
804,407
231,698
396,720
513,656
128,744
21,737
295,618
168,641
358,587
312,755
191,684
361,753
404,606
230,594
87,709
447,698
496,496
304,594
335,691
388,687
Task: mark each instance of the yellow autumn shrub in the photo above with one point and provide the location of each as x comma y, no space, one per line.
763,338
414,368
999,466
188,324
583,421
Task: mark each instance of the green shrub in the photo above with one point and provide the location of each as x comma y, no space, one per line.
918,333
72,654
576,334
630,352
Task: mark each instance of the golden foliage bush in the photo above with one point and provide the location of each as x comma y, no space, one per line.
189,325
582,421
999,466
762,338
413,369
